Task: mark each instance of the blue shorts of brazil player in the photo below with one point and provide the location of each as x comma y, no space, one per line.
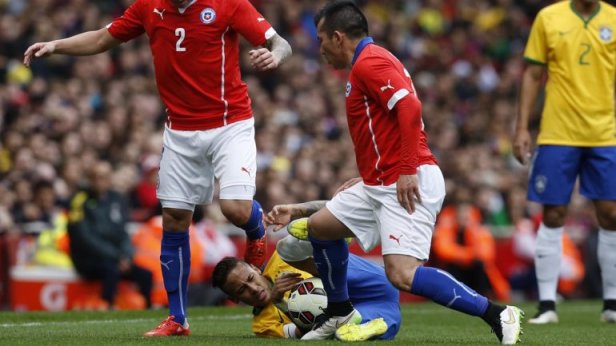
555,169
373,295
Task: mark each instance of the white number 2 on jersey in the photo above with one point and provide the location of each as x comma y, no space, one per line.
181,34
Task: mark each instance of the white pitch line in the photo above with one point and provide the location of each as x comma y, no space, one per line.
135,320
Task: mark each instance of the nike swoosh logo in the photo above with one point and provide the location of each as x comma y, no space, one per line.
512,319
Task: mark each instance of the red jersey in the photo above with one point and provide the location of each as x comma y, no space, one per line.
384,116
195,52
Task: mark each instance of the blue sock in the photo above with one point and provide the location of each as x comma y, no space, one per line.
254,227
175,264
444,289
331,258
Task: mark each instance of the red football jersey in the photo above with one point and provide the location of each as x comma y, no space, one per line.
196,56
387,143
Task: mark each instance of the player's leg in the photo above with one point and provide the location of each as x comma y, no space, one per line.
182,185
553,174
599,185
297,253
606,254
407,273
175,266
234,154
328,227
331,254
405,244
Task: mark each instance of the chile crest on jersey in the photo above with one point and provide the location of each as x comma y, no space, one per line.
208,15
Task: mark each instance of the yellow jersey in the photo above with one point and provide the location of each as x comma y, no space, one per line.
580,56
269,320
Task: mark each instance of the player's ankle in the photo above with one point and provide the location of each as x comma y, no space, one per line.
492,313
339,308
547,305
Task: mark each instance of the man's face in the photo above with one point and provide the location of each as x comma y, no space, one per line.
331,47
246,284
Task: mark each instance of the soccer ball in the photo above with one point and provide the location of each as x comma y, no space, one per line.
307,301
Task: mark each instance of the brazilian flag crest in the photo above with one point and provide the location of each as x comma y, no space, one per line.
605,33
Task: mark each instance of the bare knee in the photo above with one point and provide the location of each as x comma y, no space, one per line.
323,225
176,220
554,216
606,214
401,270
236,211
316,228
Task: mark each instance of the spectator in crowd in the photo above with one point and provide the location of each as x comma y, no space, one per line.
100,246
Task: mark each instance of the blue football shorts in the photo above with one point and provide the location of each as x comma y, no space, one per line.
555,169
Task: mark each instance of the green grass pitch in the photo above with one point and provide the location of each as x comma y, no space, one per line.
422,324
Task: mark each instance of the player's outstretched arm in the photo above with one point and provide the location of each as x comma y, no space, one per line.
278,50
531,82
282,214
87,43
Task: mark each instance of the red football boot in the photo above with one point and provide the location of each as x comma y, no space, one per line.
256,250
169,327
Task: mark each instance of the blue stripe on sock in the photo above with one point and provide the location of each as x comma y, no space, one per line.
175,265
331,259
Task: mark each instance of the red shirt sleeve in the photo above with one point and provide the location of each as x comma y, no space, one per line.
391,88
409,118
130,25
251,24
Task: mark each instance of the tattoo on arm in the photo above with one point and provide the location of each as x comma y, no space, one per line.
279,47
309,208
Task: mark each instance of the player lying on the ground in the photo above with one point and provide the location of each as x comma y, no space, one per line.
370,291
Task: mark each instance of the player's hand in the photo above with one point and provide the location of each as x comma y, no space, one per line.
38,50
407,189
521,146
262,59
348,184
280,216
284,282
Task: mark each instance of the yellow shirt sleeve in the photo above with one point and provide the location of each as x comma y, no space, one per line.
269,321
536,47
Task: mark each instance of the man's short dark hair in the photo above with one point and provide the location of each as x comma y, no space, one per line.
222,270
344,16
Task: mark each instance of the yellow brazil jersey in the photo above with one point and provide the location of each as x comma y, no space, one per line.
580,56
269,320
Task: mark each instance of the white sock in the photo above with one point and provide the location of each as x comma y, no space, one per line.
548,252
606,252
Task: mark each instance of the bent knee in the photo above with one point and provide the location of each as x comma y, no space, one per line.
400,270
315,228
176,220
236,211
401,278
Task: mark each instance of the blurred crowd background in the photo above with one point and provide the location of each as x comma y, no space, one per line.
62,116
